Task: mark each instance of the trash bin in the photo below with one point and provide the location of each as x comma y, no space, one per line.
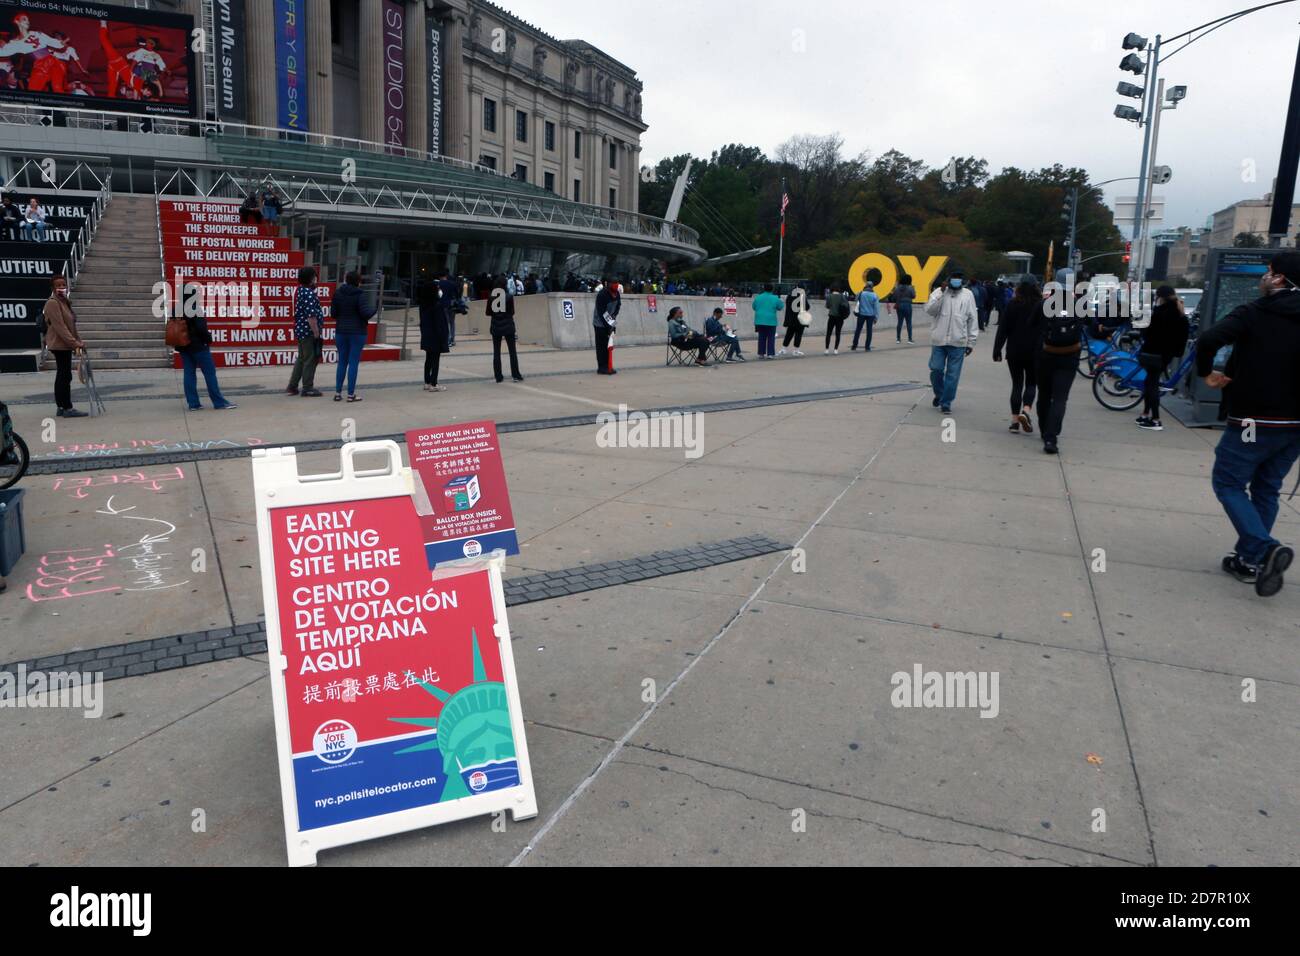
12,536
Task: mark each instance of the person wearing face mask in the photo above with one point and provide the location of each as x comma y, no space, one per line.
1261,396
954,328
62,339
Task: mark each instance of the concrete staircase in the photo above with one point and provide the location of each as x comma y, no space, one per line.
114,292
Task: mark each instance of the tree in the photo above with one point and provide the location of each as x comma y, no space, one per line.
1248,240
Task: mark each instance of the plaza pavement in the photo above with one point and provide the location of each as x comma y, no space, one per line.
1119,690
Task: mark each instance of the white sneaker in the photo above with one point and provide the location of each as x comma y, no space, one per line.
836,352
797,352
828,351
782,352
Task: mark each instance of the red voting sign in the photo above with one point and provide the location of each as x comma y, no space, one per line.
729,305
395,696
460,492
651,303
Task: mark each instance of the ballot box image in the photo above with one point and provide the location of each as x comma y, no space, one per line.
461,494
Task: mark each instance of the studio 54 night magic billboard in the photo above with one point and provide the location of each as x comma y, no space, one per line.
96,56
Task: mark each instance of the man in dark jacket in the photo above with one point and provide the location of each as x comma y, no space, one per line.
1262,440
608,300
352,310
197,357
715,328
11,218
501,314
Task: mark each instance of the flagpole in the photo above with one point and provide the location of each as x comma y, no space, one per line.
780,255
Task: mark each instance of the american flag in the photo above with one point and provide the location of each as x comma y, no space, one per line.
785,201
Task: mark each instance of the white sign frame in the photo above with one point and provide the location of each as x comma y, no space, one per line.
278,484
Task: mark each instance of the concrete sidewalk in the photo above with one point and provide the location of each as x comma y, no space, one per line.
1120,690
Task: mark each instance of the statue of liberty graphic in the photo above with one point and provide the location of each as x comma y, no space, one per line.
473,734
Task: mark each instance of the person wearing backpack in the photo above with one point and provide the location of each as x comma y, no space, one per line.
1163,341
1057,362
196,354
837,310
904,296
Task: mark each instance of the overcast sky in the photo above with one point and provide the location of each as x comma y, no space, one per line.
1018,83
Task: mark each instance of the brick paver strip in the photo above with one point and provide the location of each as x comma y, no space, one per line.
225,643
45,465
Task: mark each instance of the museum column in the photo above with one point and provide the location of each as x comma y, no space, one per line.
370,63
320,63
417,78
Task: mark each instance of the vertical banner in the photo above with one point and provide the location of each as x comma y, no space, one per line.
291,63
394,691
394,73
232,35
433,60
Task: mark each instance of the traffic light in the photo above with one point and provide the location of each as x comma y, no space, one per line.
1127,113
1067,210
1130,89
1134,42
1128,252
1133,63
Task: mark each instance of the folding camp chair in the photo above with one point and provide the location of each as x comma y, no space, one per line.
676,356
719,349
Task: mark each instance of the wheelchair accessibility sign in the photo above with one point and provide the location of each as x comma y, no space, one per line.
568,310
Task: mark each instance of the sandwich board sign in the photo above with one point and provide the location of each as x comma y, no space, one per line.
393,685
460,491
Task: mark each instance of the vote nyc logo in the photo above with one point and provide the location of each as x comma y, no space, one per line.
334,741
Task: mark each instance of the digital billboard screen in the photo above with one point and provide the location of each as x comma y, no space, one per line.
97,56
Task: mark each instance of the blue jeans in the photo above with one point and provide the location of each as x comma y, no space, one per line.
904,315
870,322
766,339
34,231
945,370
349,346
1247,477
201,360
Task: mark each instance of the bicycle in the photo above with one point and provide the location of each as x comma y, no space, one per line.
1094,351
1120,379
14,456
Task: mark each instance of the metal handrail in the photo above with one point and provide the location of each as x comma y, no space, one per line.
413,196
34,115
104,193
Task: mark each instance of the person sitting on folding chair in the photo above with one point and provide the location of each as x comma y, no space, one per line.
685,338
720,333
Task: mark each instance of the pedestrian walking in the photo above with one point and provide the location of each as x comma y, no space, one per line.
1261,395
766,305
352,315
868,310
308,328
837,310
433,330
981,302
904,296
1056,364
1020,325
62,339
1163,341
608,300
796,308
196,355
501,313
954,329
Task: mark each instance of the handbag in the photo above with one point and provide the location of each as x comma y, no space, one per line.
805,318
178,333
